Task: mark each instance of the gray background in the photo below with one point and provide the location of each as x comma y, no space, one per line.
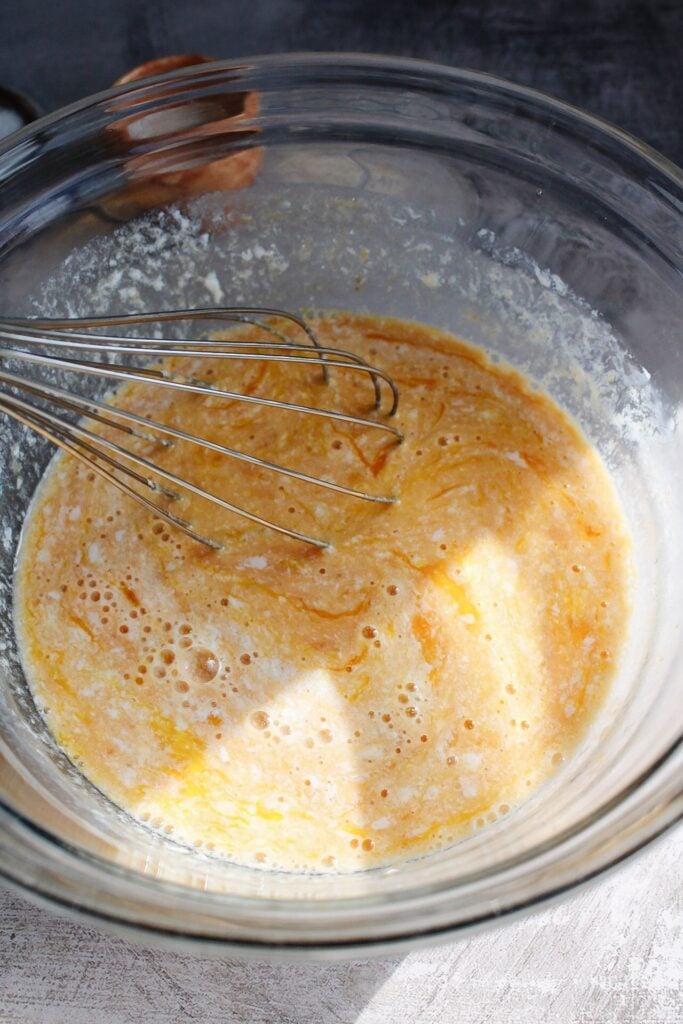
620,59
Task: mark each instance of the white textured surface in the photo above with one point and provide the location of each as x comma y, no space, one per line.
613,954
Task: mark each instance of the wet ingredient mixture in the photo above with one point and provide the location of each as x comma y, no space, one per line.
332,710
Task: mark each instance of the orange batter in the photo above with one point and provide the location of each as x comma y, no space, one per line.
336,709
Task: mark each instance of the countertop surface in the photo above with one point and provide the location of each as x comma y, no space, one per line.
611,954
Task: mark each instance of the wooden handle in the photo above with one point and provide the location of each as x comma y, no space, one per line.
161,65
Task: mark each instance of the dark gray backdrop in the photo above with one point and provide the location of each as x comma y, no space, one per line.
621,59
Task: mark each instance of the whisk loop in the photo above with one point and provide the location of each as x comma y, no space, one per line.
112,460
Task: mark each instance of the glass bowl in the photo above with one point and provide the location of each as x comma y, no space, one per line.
391,187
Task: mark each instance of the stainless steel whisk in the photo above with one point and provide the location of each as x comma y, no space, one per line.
26,341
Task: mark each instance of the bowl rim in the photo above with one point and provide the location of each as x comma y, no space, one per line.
355,60
610,851
625,840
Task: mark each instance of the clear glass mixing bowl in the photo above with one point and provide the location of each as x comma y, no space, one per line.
392,187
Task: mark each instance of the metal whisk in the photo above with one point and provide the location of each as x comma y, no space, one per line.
26,341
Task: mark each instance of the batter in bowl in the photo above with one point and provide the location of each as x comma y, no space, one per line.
333,710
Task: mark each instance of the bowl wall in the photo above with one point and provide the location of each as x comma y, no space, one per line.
393,188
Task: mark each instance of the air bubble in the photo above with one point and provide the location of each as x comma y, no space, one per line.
205,665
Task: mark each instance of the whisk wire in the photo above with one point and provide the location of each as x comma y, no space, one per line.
54,430
94,449
251,315
223,349
85,406
37,423
180,383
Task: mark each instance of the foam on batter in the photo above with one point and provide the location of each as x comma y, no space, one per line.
332,710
